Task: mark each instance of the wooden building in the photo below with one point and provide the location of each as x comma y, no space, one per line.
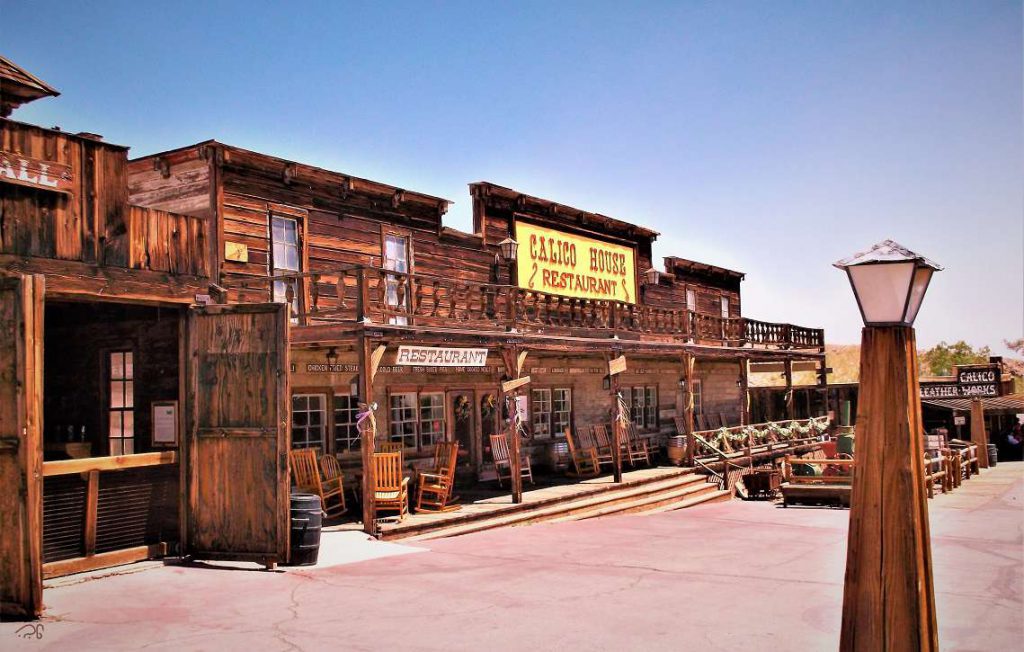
179,321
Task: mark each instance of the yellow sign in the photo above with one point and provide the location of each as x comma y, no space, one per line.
574,266
236,252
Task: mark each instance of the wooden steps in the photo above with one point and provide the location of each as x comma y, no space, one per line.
667,490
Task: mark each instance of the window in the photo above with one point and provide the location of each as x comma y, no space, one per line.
122,403
403,419
284,235
691,300
309,421
725,307
561,411
346,435
396,259
540,419
431,418
698,397
643,406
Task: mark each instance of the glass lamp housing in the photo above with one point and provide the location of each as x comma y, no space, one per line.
889,282
509,249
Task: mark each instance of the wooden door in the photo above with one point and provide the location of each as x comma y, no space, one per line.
462,427
21,451
238,433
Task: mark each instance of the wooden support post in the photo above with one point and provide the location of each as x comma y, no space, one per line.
617,434
889,600
689,367
367,371
979,435
788,372
92,498
744,391
513,362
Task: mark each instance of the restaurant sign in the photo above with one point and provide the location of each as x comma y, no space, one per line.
35,173
437,356
971,382
574,266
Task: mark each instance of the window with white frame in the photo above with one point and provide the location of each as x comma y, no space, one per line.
725,307
691,299
403,415
309,421
540,412
643,406
698,397
121,416
285,258
346,435
561,409
431,418
396,259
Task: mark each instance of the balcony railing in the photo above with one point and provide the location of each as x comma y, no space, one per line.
371,294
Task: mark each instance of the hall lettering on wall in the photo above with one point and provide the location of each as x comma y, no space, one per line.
35,173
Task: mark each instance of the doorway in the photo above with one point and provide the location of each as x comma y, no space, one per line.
462,428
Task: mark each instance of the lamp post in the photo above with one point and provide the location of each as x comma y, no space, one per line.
888,598
509,250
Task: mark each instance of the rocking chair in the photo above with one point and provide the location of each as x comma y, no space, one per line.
390,488
434,489
503,460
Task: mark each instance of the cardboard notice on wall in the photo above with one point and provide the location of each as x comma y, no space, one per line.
617,365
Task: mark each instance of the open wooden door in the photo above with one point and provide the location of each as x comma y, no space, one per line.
21,449
237,433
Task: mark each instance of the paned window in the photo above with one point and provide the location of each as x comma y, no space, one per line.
643,406
346,435
431,418
122,403
561,412
540,417
725,307
698,397
396,259
284,236
309,421
691,300
403,419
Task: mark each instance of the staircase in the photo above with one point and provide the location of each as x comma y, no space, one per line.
666,491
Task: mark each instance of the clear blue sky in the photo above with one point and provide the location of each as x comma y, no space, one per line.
769,137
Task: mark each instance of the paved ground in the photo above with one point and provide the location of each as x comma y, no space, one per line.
729,576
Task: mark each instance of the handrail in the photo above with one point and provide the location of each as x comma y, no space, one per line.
110,463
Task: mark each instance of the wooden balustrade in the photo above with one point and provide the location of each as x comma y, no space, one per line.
361,293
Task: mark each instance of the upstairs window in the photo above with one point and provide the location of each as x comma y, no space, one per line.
725,307
691,300
285,258
396,259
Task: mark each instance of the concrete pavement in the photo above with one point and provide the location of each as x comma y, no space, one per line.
735,575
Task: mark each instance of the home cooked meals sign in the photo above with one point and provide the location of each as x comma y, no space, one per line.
574,266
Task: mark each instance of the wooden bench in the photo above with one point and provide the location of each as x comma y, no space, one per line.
833,486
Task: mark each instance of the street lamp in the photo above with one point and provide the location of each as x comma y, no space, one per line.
509,249
888,598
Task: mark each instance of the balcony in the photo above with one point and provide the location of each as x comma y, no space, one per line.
374,295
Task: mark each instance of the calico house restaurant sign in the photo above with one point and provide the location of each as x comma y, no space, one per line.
574,266
980,381
437,356
35,173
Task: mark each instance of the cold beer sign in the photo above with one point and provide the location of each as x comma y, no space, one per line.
574,266
35,173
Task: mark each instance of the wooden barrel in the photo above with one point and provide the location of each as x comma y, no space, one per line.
676,448
993,454
306,521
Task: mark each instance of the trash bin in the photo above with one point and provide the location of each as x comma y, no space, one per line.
306,521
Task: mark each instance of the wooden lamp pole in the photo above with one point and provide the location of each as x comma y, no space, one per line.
889,599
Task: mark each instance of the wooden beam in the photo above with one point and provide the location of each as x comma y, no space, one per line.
512,361
889,599
367,371
617,416
103,560
979,435
92,499
788,373
689,368
744,391
111,463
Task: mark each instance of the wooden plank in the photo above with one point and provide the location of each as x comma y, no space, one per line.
110,463
103,560
21,508
92,499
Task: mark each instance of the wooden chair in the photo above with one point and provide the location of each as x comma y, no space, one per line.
390,488
306,477
596,437
584,460
333,486
434,488
503,460
634,447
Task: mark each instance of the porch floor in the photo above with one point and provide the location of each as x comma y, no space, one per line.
486,500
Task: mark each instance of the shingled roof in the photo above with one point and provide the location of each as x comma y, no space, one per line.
18,86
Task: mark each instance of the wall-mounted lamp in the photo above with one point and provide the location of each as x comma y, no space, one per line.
652,277
606,383
332,356
509,249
